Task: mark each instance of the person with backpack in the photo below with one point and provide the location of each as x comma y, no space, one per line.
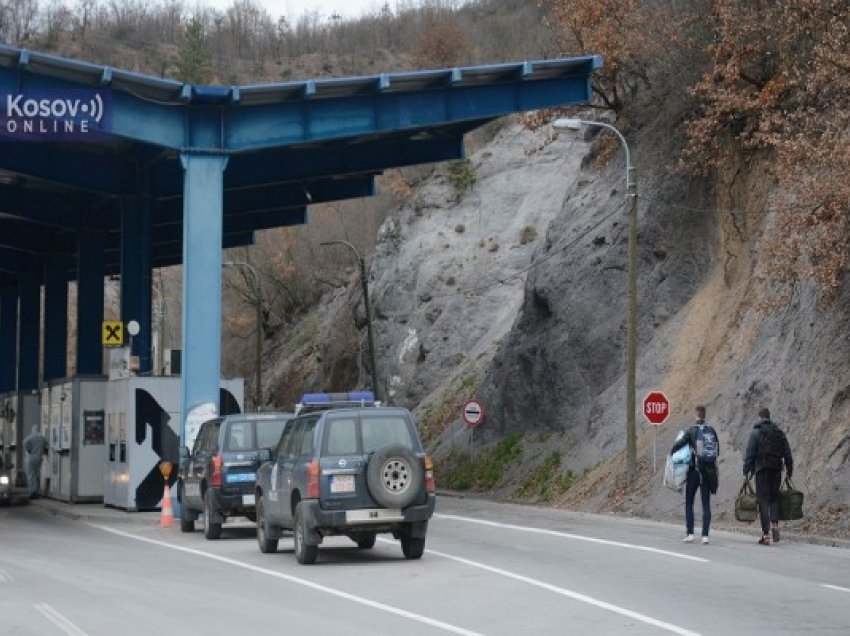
702,473
767,451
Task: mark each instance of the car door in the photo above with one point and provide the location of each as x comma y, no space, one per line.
273,505
292,474
205,447
191,482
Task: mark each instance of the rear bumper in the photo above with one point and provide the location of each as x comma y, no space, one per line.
336,522
230,505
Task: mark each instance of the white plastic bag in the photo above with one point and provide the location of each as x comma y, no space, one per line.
676,469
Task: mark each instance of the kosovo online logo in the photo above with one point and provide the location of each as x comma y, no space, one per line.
56,115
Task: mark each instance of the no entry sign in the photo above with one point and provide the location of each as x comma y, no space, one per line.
473,413
656,408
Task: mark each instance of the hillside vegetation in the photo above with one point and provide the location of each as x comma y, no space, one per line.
504,276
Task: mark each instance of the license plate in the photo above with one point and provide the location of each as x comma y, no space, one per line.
375,515
233,478
248,500
342,483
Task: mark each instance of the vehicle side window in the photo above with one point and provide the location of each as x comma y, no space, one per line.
211,440
284,439
202,436
340,436
294,441
307,436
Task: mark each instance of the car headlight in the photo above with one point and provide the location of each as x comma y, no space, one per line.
4,480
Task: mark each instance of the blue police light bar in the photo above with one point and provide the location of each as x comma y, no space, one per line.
330,400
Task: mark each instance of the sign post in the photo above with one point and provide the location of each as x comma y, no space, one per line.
656,409
473,415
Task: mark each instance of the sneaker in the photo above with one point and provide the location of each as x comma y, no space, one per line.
765,540
774,531
705,540
688,539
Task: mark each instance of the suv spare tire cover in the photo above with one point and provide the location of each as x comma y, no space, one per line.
395,476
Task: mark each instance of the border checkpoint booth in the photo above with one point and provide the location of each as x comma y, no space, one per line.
106,172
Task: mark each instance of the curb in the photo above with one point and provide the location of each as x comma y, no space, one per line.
61,509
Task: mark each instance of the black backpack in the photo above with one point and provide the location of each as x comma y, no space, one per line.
771,446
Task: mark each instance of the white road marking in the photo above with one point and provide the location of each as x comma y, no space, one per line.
57,619
835,587
576,537
675,629
298,581
5,577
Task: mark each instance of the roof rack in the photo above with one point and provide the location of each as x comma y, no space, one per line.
324,401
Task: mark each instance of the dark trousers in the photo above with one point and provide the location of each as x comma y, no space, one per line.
768,481
697,481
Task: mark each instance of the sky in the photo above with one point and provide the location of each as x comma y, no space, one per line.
294,8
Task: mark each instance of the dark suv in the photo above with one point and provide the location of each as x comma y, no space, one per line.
346,471
218,476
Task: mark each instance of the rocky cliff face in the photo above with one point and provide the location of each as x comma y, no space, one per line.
515,292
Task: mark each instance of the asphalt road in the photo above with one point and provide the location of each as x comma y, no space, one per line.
489,569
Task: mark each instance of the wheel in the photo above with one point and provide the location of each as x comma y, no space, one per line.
266,545
366,541
211,530
395,476
187,523
411,547
305,554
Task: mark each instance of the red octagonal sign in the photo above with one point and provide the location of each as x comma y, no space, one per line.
656,408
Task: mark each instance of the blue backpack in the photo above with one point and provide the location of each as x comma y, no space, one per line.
706,444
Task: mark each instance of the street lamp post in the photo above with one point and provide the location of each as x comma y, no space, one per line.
368,308
259,353
631,320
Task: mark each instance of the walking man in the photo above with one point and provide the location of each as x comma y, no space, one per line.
767,451
702,473
35,446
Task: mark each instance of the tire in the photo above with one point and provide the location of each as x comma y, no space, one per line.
365,541
212,530
411,547
267,545
304,554
395,476
187,524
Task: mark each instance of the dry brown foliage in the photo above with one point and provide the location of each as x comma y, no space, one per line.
778,83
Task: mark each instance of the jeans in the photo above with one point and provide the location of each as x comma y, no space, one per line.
697,481
768,482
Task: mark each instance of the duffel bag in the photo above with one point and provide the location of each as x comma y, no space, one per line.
790,501
746,504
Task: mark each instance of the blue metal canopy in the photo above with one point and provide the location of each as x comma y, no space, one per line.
105,171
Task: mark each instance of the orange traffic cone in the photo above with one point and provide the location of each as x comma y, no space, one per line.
166,519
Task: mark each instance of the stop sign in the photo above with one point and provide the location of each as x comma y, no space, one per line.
656,407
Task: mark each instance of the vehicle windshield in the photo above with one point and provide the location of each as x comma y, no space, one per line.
251,435
379,431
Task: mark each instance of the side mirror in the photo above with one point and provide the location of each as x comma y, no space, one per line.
265,455
184,452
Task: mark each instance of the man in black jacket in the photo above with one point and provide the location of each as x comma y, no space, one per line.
702,473
767,451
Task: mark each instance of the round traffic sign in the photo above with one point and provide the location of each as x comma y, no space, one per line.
473,413
656,408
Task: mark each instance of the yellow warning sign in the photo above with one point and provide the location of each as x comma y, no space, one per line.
113,333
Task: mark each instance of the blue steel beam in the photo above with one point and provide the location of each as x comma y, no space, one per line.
28,338
102,173
349,116
202,201
251,199
298,164
89,302
136,275
8,338
165,236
